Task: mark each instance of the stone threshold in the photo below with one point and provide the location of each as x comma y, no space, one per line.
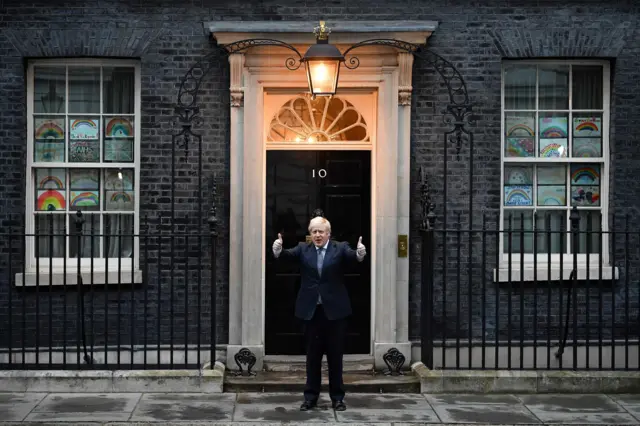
205,380
512,381
294,381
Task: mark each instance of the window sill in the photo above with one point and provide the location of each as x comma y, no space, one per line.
57,278
527,273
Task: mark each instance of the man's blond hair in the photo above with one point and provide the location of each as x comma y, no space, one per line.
320,221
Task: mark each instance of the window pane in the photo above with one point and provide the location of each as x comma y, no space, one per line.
84,90
517,236
84,189
520,87
119,194
553,87
587,135
50,189
585,184
590,236
551,229
49,139
51,232
119,90
118,139
91,226
118,229
552,186
84,143
519,134
49,90
587,87
553,135
518,185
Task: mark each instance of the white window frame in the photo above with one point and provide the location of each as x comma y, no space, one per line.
96,272
522,266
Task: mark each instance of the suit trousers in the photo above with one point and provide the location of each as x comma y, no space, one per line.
324,336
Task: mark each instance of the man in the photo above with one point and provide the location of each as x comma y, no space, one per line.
323,304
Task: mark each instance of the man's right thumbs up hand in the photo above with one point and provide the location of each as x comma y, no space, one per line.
277,246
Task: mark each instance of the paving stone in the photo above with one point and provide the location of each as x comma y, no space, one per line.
16,406
276,398
581,409
448,399
387,401
283,413
387,415
492,409
571,403
78,417
184,407
586,418
88,403
630,402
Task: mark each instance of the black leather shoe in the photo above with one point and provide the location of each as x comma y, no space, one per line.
339,406
308,405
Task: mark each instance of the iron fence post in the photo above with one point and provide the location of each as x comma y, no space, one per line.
428,219
575,242
426,325
212,220
426,301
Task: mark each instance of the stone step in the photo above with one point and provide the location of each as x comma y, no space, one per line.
293,381
288,363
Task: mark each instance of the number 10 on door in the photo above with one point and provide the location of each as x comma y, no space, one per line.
322,173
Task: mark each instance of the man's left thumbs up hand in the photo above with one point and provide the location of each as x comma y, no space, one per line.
361,250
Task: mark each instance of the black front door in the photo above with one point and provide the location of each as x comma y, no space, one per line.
298,183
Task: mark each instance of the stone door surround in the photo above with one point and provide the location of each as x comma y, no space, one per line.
383,71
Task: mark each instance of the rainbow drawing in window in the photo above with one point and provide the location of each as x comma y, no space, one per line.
553,127
50,199
552,195
82,179
584,174
520,147
49,152
587,126
80,199
119,200
49,129
118,180
518,195
83,128
52,181
518,175
517,126
553,148
587,147
119,128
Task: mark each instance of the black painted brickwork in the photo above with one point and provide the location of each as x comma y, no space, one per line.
169,39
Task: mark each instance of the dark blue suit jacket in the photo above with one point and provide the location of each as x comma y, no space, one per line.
330,285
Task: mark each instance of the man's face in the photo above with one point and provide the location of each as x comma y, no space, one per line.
319,235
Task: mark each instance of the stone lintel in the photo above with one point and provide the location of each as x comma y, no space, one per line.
342,32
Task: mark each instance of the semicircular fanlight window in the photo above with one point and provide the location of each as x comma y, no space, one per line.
303,119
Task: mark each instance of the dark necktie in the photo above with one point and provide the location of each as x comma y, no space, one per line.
320,259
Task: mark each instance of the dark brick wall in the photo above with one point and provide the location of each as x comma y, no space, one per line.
169,39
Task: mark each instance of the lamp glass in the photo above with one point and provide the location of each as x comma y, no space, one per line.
323,76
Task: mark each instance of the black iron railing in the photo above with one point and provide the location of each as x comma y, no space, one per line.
490,303
150,303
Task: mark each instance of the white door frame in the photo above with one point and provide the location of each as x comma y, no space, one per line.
370,115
